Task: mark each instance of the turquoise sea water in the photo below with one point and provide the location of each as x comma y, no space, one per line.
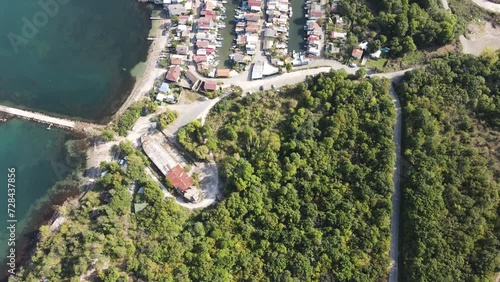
71,59
38,156
74,61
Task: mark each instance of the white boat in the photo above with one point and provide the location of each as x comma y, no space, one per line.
224,2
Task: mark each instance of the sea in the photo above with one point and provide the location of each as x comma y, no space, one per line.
67,58
72,57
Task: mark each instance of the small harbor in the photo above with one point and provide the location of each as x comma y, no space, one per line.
297,29
227,33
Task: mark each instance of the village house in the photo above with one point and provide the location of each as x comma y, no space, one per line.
202,44
177,60
181,49
269,32
357,53
205,24
210,86
170,168
200,59
223,72
185,19
173,73
252,17
164,88
268,44
176,10
338,35
191,77
240,58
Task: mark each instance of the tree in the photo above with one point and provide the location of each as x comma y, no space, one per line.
408,45
166,118
108,135
360,73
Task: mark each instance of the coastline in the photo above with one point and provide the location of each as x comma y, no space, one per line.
146,81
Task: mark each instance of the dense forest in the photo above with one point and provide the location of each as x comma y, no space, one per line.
307,174
401,25
450,190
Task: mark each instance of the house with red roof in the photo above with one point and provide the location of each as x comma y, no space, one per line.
202,44
200,59
357,53
338,35
179,179
223,72
315,14
205,24
173,73
210,86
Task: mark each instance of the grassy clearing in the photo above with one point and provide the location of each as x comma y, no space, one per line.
189,96
379,64
468,12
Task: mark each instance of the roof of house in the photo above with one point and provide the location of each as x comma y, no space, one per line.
223,72
251,29
254,3
376,54
173,74
238,57
315,14
161,97
176,60
183,19
179,178
268,44
312,38
210,85
181,49
252,16
334,35
200,58
269,32
164,87
176,9
202,44
189,75
204,22
357,53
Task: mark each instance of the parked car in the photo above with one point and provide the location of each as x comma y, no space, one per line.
353,65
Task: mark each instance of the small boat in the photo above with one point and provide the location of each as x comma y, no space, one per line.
224,2
50,126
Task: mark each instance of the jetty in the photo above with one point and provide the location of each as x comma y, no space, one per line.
50,120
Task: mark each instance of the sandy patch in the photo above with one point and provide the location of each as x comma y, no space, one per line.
480,36
487,5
